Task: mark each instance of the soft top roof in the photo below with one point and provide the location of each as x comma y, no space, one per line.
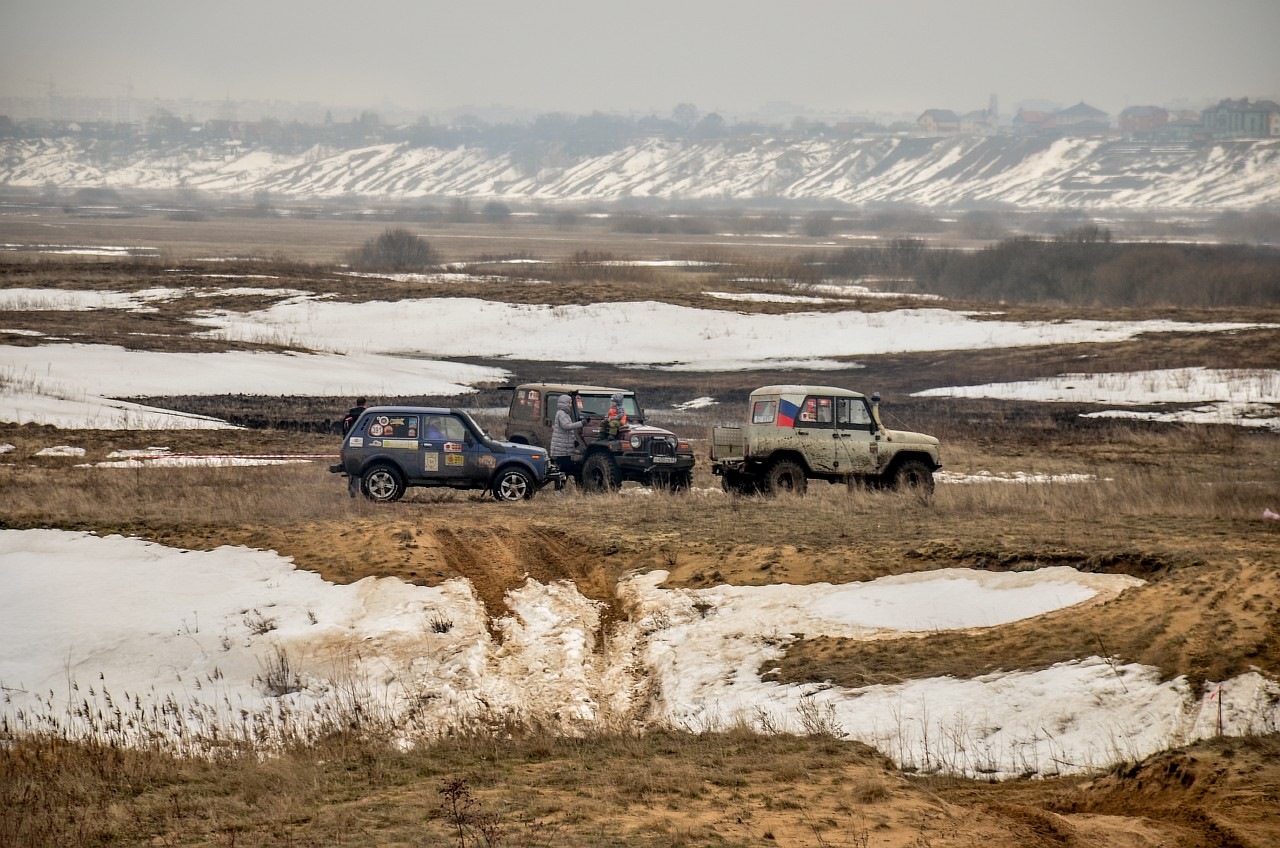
796,389
573,387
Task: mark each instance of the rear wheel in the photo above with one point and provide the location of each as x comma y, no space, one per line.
913,475
785,476
513,484
739,484
600,474
382,483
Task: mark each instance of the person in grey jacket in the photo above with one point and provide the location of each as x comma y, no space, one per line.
562,435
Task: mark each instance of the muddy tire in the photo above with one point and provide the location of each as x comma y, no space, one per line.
600,474
739,484
382,483
913,476
785,476
513,484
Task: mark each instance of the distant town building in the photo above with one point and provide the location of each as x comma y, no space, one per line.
1183,125
1082,119
1143,120
1030,122
1242,119
980,122
939,121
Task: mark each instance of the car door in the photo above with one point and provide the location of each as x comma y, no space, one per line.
854,436
816,432
451,454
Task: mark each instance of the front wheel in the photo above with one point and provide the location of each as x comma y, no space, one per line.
673,481
785,476
600,474
383,484
913,475
513,484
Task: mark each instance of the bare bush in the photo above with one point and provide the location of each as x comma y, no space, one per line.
395,250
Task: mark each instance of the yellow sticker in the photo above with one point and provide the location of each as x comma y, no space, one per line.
406,444
454,459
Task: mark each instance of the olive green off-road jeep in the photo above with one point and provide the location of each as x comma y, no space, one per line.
648,455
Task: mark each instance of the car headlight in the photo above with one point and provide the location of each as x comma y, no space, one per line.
636,442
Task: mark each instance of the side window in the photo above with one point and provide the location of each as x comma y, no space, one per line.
394,427
526,405
764,412
816,412
553,405
852,414
454,429
443,428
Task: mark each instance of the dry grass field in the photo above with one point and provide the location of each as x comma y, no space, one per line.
1178,506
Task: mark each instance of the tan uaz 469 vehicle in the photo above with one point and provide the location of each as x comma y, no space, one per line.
801,433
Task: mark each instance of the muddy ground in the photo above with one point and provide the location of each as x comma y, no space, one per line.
1178,507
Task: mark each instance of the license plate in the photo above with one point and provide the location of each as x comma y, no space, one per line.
661,459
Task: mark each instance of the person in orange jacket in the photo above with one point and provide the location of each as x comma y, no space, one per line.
616,419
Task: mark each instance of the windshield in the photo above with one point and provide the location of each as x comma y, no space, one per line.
598,405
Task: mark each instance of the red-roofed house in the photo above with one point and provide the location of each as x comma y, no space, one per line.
1142,119
1027,121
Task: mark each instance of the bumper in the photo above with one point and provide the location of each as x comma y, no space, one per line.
554,475
646,462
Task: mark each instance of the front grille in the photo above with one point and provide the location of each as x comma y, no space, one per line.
659,446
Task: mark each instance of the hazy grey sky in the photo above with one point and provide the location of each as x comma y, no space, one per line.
577,56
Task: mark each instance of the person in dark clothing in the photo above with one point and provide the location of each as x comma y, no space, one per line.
353,415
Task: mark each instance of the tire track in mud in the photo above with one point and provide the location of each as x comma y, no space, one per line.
496,561
1187,619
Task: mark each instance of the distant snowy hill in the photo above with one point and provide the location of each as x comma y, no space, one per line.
953,171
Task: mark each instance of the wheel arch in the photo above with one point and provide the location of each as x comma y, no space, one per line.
907,456
512,462
785,454
383,459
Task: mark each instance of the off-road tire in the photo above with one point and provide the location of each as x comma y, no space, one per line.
513,484
600,474
673,481
739,484
913,475
785,476
382,483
